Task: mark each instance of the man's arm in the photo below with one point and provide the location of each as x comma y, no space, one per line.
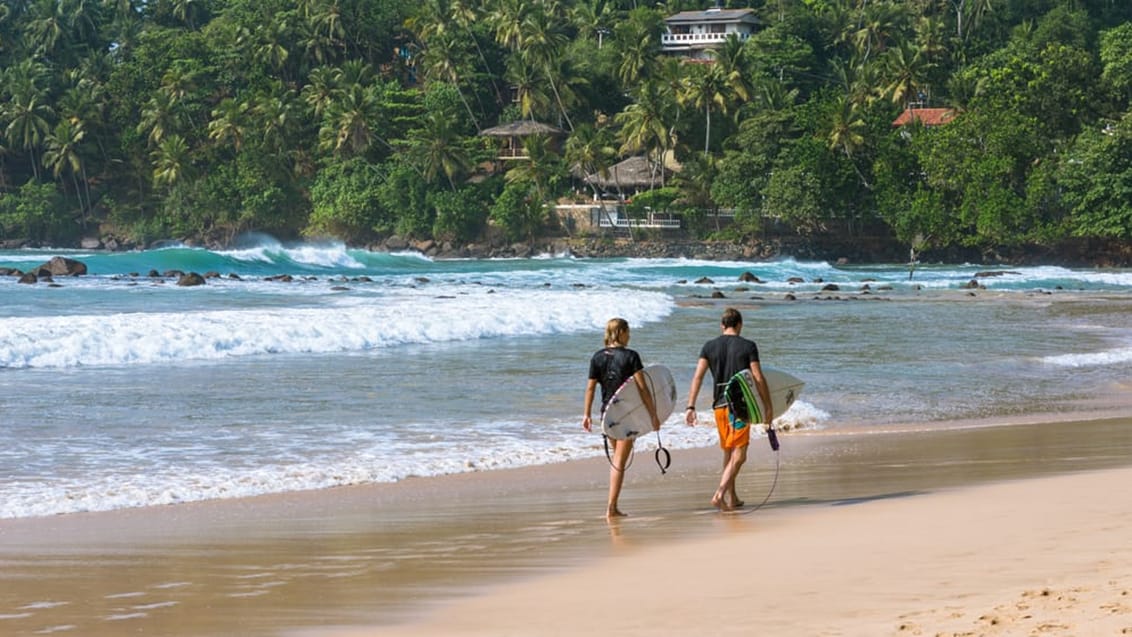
694,391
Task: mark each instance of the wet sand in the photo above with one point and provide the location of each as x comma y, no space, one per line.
865,531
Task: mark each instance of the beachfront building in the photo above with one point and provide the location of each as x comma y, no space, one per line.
615,188
924,116
513,134
693,34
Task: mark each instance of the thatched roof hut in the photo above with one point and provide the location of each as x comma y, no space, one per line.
522,128
632,173
515,132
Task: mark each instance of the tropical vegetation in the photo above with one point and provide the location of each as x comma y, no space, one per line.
361,119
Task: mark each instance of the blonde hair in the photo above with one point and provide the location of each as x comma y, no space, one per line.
616,332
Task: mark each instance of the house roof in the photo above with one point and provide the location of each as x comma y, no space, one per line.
634,171
712,16
925,116
522,128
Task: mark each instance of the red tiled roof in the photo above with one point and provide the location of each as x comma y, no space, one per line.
925,116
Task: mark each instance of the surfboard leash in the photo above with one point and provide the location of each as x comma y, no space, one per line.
661,452
609,455
773,484
662,456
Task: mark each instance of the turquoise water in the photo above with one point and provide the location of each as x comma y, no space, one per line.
125,390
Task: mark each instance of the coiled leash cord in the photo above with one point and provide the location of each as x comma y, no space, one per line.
772,437
663,458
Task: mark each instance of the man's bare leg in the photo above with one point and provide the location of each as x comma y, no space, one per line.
735,460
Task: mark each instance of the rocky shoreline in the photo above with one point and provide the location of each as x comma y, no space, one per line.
1079,253
829,248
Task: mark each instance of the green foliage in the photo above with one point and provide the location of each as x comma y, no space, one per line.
460,215
405,193
345,201
1116,56
518,211
35,212
360,118
1097,178
793,196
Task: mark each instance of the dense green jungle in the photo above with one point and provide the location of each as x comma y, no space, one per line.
131,121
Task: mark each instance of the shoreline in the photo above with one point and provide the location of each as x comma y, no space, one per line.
396,555
1026,557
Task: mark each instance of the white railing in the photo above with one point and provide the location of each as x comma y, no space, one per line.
621,222
689,39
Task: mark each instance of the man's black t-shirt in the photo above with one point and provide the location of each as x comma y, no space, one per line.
611,367
727,355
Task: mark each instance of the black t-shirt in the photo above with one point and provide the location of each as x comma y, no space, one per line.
611,367
727,355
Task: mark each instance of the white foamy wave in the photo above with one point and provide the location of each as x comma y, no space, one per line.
1096,359
801,415
328,255
404,317
366,462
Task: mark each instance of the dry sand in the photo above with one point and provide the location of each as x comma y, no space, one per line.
1044,556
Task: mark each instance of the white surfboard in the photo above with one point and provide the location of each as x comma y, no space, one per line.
784,389
625,416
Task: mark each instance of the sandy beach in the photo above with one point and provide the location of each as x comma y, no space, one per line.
1046,556
1014,529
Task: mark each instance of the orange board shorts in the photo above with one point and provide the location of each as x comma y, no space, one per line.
731,437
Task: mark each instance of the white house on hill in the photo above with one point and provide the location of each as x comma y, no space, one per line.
692,33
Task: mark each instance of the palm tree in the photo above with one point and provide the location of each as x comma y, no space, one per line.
171,161
321,87
441,59
529,90
46,27
28,115
538,171
733,67
543,40
878,24
845,132
638,52
590,151
705,88
907,69
644,124
277,116
440,150
349,124
968,14
62,153
506,18
464,14
158,118
227,123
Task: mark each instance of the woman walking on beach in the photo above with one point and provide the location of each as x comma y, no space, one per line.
612,366
726,355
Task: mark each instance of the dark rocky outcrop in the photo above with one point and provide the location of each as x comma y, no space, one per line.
61,266
190,279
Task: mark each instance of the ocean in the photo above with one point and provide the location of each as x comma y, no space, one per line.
124,390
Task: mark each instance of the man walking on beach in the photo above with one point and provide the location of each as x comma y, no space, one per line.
727,355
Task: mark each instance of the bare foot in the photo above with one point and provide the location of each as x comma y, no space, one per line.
614,513
736,502
719,502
